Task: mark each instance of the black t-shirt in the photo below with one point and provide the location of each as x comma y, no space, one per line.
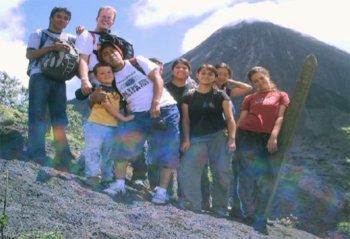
205,111
177,92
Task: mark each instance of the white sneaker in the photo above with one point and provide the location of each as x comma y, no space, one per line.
160,198
114,189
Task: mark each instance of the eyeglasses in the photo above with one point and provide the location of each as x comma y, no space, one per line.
106,18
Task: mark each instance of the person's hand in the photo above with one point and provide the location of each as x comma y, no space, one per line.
129,118
231,145
155,109
59,46
272,144
98,95
185,145
86,87
79,30
128,108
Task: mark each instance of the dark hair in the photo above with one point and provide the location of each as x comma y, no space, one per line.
61,9
156,60
264,71
182,60
100,64
209,67
224,65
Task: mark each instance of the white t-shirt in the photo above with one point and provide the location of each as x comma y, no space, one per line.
137,89
85,44
35,39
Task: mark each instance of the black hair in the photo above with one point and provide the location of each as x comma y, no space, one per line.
61,9
156,60
182,60
224,65
211,68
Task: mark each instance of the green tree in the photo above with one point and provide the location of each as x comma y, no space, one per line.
12,93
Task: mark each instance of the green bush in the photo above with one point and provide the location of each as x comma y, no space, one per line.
344,227
43,235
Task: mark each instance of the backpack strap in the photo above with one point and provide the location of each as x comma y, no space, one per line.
93,43
135,64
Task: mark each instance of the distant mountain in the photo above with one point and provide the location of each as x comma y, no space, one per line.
282,51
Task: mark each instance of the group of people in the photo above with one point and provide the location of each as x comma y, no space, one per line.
183,126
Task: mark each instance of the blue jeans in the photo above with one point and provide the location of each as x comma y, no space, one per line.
43,92
98,143
165,143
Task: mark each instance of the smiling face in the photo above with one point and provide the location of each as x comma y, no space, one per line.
111,56
105,75
261,81
59,21
181,71
206,76
105,20
223,76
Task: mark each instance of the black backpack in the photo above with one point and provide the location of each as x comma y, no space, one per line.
58,65
124,45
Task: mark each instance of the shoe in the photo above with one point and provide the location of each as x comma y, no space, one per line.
160,198
186,205
115,189
261,226
251,219
138,184
236,213
206,207
221,212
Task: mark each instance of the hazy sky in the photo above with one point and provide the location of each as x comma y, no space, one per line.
167,29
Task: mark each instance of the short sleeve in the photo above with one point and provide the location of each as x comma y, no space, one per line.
223,95
146,64
84,43
285,99
34,40
186,98
245,103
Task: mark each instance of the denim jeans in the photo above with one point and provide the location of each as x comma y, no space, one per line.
45,92
256,172
98,143
165,143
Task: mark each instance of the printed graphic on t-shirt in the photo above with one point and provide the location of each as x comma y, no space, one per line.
132,83
266,100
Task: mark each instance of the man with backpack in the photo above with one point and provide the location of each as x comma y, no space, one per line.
156,117
46,91
87,43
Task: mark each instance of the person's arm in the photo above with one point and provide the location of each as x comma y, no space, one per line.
231,125
272,143
186,128
158,85
97,96
36,53
240,88
244,114
113,111
83,71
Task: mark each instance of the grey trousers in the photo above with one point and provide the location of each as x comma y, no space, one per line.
192,164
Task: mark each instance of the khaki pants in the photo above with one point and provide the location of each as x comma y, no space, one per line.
192,164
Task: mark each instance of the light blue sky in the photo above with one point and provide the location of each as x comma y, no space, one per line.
167,29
